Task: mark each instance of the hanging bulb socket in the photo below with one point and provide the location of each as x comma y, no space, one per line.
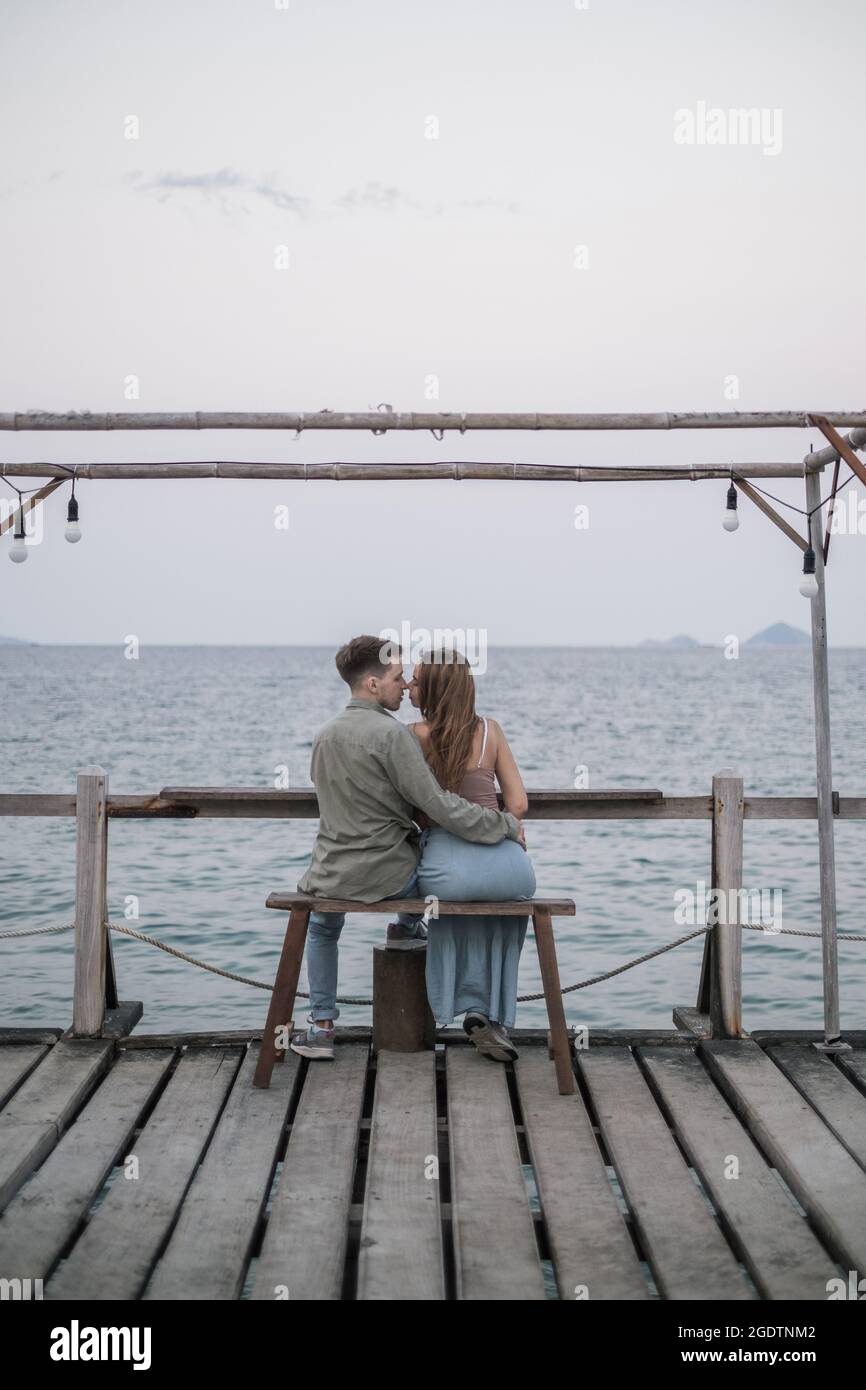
809,582
73,530
18,552
731,519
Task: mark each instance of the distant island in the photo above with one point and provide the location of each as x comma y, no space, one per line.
681,641
780,635
776,635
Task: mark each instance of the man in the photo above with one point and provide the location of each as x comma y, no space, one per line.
369,773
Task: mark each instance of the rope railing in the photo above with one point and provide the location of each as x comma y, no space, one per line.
720,986
349,999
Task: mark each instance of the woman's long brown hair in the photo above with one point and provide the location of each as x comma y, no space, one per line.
446,698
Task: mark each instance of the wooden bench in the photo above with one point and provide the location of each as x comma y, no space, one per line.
299,907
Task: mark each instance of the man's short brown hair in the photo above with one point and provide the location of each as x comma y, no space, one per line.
364,656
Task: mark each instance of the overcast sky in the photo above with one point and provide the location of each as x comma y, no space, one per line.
409,258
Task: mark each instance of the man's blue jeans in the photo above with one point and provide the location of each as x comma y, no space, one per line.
323,935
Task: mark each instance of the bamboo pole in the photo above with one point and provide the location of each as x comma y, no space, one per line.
763,505
29,504
368,472
382,421
824,779
842,447
856,440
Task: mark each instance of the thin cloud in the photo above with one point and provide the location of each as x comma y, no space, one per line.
224,185
231,189
490,205
377,196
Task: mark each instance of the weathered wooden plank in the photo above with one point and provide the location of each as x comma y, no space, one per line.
769,1036
454,1037
853,1064
593,1253
688,1255
829,1091
113,1256
781,1253
267,796
304,1248
561,907
17,1061
42,1108
495,1250
48,1036
43,1215
826,1180
207,1255
36,804
401,1233
544,804
231,1037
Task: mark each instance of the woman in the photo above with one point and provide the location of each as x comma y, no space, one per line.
471,961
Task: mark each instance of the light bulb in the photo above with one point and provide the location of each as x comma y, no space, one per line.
731,520
73,530
18,551
809,583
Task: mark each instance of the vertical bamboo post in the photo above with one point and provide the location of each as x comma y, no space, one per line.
725,954
91,861
824,775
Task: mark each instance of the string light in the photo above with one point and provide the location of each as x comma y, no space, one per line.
18,551
731,519
809,581
73,530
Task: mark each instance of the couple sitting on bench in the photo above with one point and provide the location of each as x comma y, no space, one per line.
379,780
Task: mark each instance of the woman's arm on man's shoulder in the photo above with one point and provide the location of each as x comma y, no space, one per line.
508,775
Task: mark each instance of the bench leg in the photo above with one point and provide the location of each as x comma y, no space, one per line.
546,946
283,997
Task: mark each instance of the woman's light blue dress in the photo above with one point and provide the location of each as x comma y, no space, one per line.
472,962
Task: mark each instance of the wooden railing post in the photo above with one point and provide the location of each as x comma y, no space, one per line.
91,861
725,941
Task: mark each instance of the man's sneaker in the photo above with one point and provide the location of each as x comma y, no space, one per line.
406,938
490,1038
318,1046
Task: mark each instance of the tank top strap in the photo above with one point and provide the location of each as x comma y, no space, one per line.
483,743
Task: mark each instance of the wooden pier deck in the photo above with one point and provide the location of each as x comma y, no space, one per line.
151,1168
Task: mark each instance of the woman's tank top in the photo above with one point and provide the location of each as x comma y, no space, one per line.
478,783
